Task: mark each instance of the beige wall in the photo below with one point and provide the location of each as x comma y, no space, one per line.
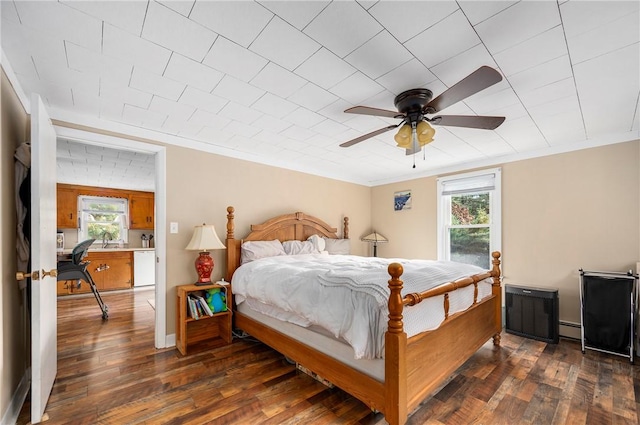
14,125
411,232
560,213
200,186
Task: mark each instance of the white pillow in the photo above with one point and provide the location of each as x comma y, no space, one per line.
317,241
338,246
254,250
299,247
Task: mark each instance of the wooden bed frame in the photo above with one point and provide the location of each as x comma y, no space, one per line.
414,367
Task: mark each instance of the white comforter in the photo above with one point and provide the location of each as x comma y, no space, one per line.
347,295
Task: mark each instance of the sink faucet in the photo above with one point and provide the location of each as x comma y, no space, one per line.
105,241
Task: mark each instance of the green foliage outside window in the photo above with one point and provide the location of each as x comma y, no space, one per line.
470,244
470,209
97,231
104,218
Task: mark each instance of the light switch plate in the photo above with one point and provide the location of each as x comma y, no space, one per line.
173,227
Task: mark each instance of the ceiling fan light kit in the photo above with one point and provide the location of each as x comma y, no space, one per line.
407,137
415,104
403,136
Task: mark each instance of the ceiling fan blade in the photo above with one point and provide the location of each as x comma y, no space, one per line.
478,80
365,110
470,121
368,136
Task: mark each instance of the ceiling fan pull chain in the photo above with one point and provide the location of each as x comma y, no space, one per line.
414,139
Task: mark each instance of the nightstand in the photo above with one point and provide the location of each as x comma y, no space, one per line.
189,330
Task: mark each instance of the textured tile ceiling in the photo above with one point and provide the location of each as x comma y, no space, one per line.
269,81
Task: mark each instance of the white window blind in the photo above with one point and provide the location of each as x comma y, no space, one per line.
481,183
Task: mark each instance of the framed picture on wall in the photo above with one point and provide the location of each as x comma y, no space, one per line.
402,200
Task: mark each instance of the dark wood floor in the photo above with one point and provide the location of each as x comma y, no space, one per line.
109,373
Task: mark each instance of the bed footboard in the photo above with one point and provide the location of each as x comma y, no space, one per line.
415,368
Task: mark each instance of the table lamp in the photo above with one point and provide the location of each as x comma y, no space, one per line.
374,239
204,239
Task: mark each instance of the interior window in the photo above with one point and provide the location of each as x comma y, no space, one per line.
103,219
469,217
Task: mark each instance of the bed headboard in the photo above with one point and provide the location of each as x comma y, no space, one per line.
297,226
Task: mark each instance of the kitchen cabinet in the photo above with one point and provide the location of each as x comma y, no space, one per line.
111,269
141,205
70,287
67,200
141,210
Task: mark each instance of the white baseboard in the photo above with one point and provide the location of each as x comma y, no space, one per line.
570,329
170,340
10,416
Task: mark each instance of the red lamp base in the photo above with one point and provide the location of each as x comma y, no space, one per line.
204,267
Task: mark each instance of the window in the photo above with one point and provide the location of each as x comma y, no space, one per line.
469,217
103,219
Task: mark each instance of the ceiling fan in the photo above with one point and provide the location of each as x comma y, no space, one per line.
415,105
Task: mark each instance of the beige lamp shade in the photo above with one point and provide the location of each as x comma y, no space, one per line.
204,238
375,238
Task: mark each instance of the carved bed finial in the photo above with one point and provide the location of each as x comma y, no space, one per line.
345,228
395,298
230,225
495,271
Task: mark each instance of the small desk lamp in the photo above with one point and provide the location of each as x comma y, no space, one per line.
374,239
204,239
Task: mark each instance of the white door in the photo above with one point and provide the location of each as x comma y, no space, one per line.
44,357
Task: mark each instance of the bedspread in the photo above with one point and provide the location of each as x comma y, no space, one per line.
347,295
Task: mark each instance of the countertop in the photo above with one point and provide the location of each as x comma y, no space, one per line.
68,251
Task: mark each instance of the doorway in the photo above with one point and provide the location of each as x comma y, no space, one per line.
159,155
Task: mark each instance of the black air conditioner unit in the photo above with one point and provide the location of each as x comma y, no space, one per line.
533,313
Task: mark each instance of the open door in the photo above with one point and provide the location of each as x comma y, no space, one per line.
44,318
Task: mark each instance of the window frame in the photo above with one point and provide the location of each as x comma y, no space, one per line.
495,212
83,230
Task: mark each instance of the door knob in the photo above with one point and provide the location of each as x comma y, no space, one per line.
52,273
23,275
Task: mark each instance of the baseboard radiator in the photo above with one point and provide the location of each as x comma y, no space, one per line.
532,313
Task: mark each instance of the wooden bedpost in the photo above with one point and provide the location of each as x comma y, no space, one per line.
395,373
345,228
230,224
496,289
232,251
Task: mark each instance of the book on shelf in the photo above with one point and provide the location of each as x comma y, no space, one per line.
205,306
198,307
193,312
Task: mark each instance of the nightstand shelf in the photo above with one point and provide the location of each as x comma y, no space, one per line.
215,315
191,331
